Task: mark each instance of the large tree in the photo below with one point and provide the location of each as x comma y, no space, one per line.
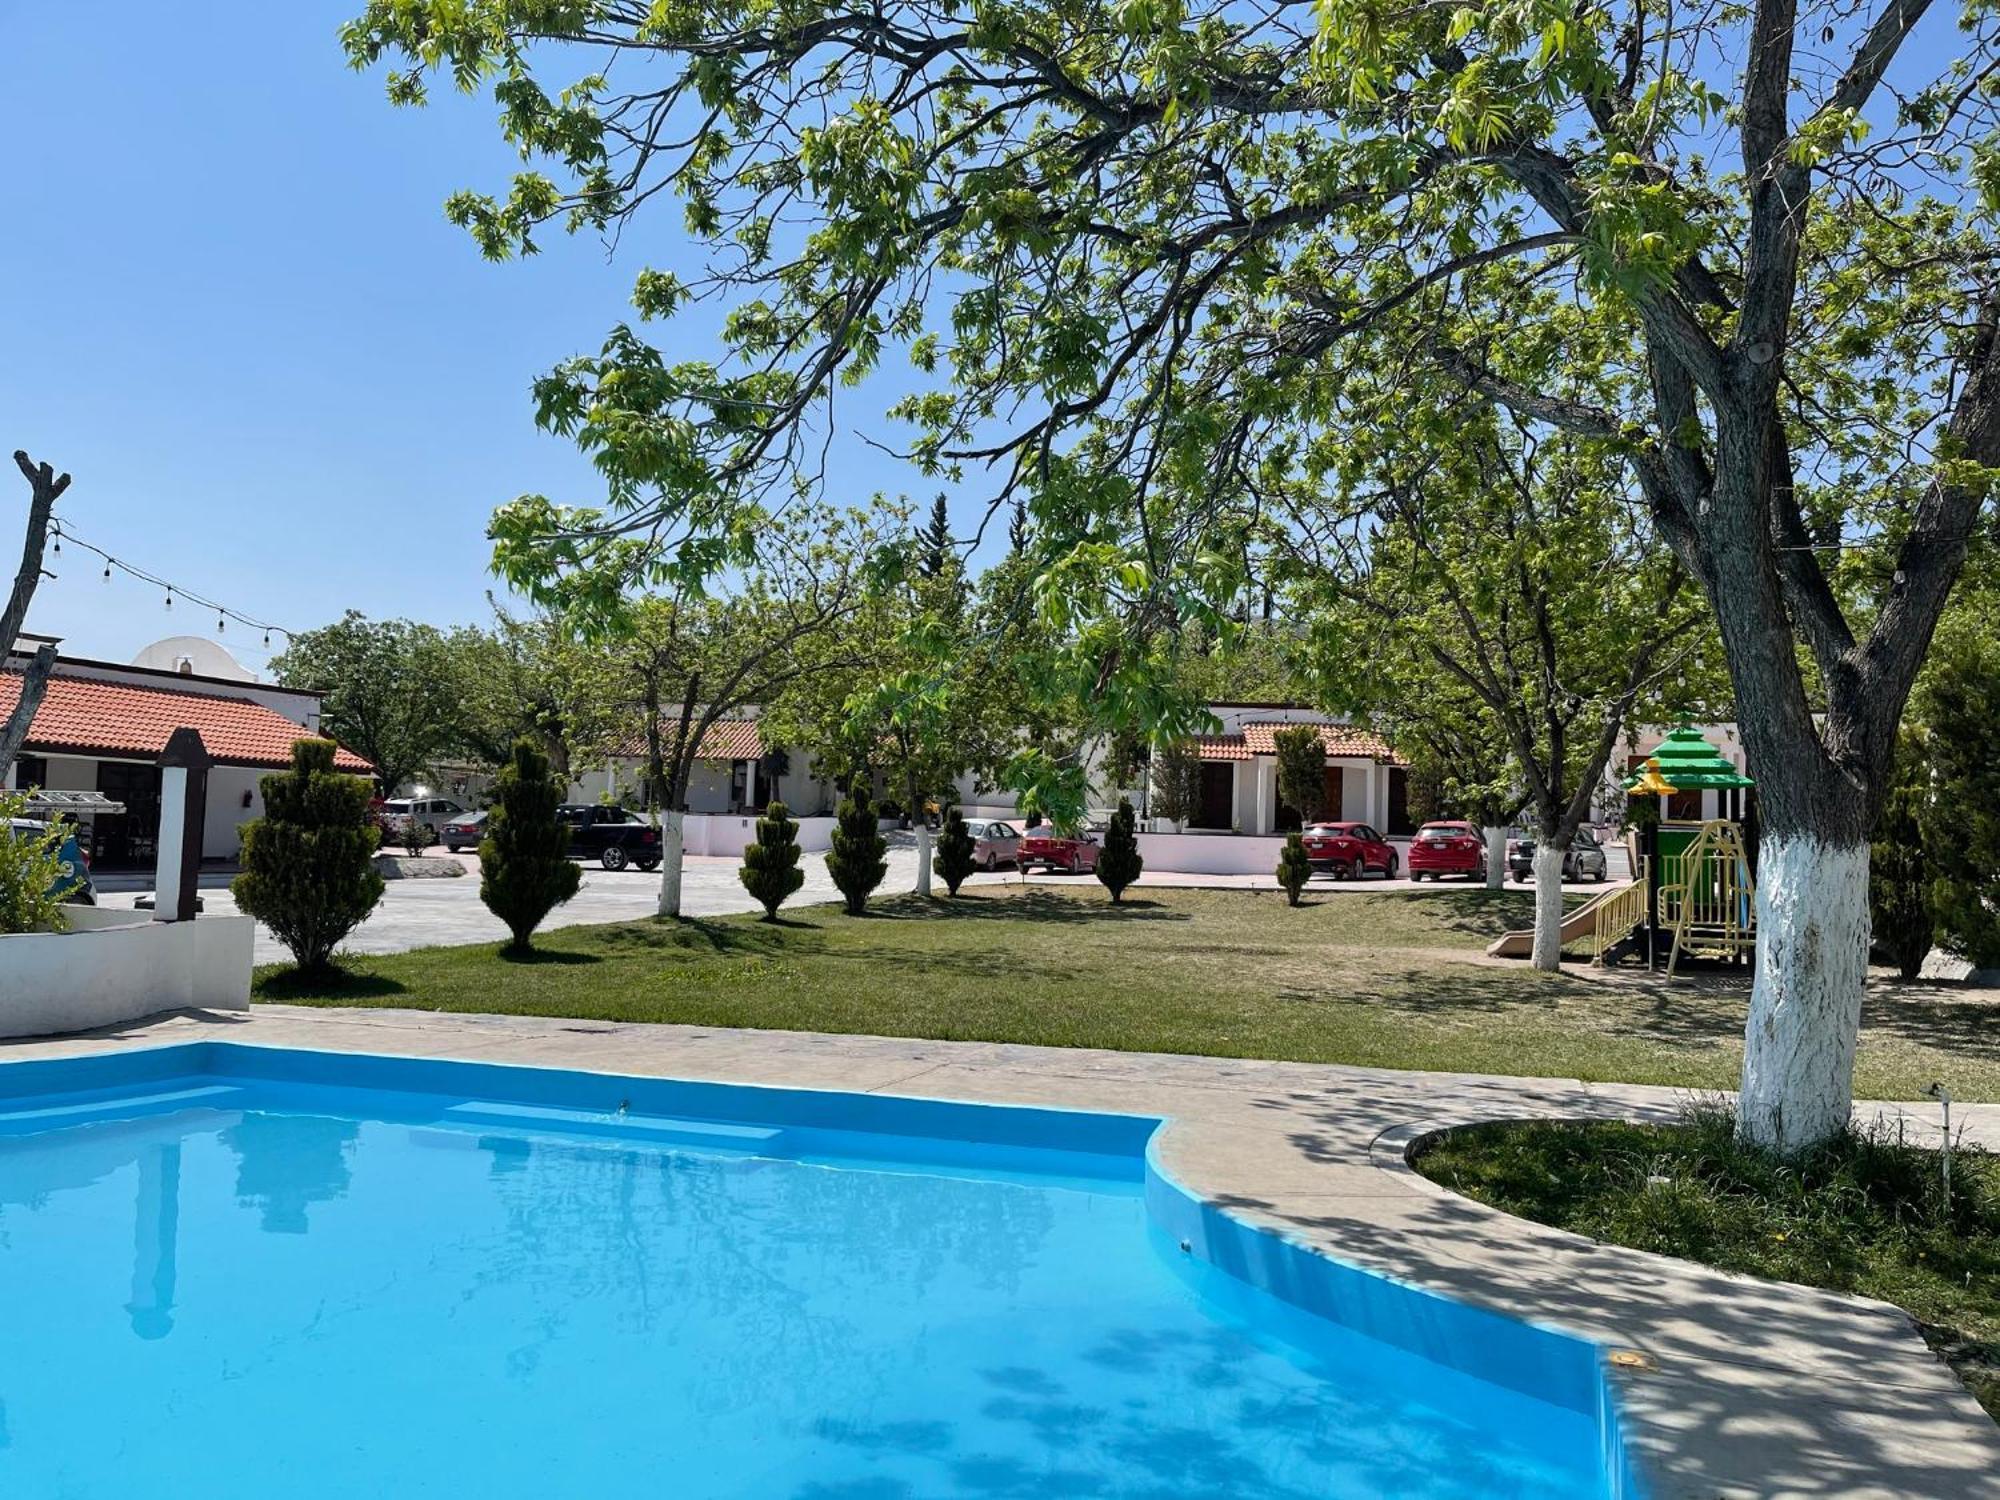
1445,543
1128,249
390,690
678,663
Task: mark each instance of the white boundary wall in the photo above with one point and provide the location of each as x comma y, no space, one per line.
116,966
1224,853
728,833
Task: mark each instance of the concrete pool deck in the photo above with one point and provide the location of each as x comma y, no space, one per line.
1754,1389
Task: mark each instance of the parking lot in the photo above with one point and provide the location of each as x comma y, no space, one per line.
437,912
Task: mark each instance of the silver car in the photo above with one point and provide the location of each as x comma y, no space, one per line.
1584,860
993,843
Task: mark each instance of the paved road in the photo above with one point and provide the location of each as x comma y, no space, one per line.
434,912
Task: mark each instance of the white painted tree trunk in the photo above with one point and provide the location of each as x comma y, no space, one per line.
923,858
1496,858
671,836
1805,1005
1548,906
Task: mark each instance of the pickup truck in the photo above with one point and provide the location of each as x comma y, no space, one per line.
610,835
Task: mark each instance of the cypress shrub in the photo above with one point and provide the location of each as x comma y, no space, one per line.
1118,862
1294,868
858,859
308,871
524,867
771,870
954,851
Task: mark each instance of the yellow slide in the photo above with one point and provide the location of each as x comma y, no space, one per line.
1575,925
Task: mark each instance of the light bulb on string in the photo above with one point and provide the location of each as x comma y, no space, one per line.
107,572
220,625
170,598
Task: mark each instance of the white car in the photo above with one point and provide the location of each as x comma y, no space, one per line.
431,813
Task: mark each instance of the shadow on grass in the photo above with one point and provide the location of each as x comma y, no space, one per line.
1034,905
1965,1028
1478,912
329,984
556,957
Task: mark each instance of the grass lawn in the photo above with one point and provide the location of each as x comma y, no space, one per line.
1380,979
1863,1216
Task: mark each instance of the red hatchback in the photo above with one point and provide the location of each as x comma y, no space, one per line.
1348,849
1441,849
1045,849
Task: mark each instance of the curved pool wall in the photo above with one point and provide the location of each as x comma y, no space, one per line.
885,1131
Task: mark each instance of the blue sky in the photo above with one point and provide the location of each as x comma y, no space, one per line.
233,309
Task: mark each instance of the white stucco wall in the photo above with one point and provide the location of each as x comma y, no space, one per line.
225,814
116,966
726,834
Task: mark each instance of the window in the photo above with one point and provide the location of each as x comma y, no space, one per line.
1000,831
31,771
1366,834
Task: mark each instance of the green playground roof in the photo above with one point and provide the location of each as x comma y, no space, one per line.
1688,763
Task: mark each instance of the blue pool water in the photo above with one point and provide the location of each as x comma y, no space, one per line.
230,1273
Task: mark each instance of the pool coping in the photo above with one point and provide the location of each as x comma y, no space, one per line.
1738,1389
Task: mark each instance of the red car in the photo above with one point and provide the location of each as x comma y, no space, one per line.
1348,849
1046,849
1441,849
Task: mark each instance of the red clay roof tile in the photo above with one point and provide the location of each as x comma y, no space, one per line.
86,716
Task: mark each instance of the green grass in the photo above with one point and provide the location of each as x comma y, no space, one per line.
1864,1215
1379,979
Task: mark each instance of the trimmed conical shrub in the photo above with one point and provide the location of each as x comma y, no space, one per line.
1294,868
954,851
1118,862
308,871
524,867
859,857
771,870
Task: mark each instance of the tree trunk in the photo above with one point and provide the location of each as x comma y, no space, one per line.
1805,1005
923,856
1548,905
671,830
34,684
1496,858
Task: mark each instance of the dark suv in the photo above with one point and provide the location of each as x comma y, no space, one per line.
610,835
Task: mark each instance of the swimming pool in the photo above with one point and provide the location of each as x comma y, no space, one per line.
233,1271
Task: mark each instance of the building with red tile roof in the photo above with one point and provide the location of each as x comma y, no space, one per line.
101,726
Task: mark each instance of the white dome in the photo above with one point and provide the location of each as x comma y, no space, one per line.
193,656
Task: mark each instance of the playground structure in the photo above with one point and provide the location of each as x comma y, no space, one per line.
1694,894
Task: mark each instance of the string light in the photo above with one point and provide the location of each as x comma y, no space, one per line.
223,613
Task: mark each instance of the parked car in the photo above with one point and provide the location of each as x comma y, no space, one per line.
430,814
464,831
1348,849
1584,860
1045,849
610,835
1447,847
993,844
73,884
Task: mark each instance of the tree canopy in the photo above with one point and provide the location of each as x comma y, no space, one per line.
1134,255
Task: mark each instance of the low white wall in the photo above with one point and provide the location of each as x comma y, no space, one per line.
1210,853
1225,853
728,833
116,966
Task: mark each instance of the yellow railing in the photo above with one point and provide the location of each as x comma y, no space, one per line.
1619,913
1712,908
